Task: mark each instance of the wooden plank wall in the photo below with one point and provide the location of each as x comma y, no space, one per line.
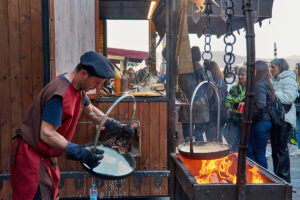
74,32
153,118
21,70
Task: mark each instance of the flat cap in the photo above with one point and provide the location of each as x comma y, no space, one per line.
97,65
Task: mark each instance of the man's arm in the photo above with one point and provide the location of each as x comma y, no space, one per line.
50,136
93,113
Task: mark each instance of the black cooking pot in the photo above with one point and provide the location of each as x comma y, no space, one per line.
204,150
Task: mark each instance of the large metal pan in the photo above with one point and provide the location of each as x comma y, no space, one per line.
204,150
117,162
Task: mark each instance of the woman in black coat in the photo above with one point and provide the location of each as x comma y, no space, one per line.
261,122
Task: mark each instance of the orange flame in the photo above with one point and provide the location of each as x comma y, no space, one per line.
216,171
256,176
221,170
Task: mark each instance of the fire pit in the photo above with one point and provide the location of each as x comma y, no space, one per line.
215,179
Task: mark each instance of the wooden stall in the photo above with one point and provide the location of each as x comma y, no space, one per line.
28,54
21,71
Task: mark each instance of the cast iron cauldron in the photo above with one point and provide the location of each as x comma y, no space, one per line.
204,150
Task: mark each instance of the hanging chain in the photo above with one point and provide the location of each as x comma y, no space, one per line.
207,55
229,40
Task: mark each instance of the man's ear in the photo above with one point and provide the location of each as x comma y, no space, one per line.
83,73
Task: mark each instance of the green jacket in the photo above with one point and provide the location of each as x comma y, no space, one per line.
234,97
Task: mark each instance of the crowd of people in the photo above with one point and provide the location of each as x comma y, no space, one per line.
274,82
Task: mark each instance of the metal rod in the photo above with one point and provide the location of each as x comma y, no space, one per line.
191,111
172,69
46,42
246,121
109,110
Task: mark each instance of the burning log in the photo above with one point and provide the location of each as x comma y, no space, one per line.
221,170
215,179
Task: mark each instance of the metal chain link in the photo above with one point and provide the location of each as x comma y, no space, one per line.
229,40
207,55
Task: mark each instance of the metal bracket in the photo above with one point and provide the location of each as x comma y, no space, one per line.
157,181
119,183
79,182
2,178
137,181
80,176
77,176
157,177
61,183
99,182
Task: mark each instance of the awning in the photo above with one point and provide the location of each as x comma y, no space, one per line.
134,56
196,22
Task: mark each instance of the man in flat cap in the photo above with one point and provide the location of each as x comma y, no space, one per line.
49,125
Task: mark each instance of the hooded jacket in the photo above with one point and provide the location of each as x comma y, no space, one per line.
286,88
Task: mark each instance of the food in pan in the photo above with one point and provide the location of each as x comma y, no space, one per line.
113,163
207,148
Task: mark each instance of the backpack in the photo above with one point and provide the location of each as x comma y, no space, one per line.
276,112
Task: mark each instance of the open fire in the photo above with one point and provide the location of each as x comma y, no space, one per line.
221,170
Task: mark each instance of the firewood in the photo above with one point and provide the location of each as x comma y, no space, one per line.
223,181
213,178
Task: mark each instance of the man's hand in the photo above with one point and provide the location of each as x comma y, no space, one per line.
84,155
124,131
127,133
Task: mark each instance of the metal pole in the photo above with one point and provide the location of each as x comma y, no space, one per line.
171,39
171,34
247,118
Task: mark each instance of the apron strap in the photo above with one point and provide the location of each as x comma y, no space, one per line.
14,151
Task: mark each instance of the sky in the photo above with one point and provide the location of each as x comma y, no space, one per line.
283,28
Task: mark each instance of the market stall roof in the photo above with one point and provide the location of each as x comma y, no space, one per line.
196,21
126,9
134,56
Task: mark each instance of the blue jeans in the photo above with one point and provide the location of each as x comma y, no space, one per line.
259,135
297,129
198,130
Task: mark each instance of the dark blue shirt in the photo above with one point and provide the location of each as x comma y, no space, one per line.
52,112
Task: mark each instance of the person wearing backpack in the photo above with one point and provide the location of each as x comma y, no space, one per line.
218,80
286,88
261,121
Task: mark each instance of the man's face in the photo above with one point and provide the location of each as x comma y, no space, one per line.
91,82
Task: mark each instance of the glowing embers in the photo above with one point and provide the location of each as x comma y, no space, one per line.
221,170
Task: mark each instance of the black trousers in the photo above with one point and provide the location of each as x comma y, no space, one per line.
280,152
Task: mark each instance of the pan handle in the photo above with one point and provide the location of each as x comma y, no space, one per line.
191,111
109,110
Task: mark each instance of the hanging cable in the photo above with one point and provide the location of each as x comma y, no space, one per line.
229,40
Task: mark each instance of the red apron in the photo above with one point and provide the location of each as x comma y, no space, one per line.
31,167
